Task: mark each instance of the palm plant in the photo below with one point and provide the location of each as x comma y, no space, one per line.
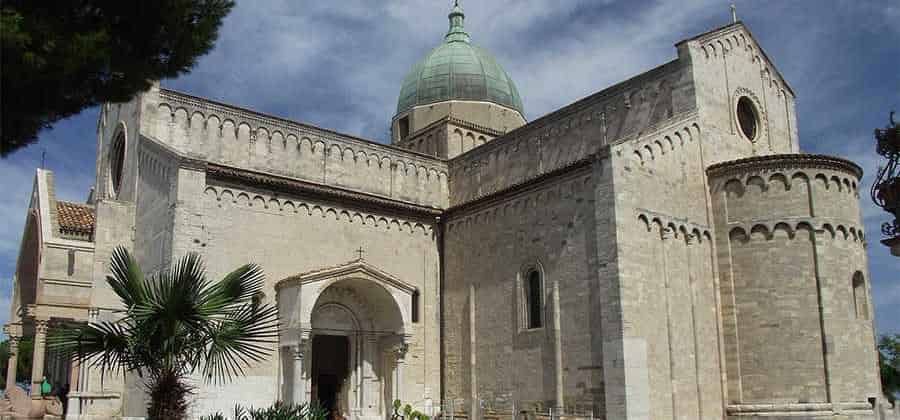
176,324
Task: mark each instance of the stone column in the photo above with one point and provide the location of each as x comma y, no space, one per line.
357,373
13,361
37,361
300,379
399,353
370,376
557,348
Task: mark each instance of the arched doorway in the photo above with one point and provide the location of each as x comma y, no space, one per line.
344,341
334,325
356,330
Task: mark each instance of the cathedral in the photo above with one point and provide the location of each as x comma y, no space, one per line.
660,249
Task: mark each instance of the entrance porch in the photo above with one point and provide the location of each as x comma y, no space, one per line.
345,345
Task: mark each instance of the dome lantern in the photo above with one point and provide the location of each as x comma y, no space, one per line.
457,32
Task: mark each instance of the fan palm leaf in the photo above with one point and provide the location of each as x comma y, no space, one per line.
126,278
177,322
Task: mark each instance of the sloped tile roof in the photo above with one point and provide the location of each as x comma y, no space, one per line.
75,219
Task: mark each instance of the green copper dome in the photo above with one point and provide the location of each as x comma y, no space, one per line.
458,70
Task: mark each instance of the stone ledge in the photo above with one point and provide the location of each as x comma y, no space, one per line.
326,192
781,161
799,409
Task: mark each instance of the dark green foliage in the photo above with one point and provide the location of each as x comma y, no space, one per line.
277,411
23,361
60,57
175,324
889,359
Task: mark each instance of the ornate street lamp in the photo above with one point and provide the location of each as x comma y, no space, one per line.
886,188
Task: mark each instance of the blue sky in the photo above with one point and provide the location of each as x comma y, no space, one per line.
339,64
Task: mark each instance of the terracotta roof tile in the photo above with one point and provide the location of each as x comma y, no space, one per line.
75,219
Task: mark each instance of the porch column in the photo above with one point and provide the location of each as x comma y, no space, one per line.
37,361
300,377
370,376
400,360
13,361
74,383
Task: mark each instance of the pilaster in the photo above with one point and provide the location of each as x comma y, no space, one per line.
13,361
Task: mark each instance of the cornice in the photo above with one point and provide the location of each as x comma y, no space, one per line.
358,266
473,126
535,127
783,161
528,184
294,186
449,120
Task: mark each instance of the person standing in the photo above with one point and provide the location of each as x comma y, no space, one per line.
45,387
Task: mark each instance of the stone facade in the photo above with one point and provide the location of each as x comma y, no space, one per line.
659,249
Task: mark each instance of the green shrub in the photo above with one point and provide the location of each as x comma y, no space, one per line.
407,412
277,411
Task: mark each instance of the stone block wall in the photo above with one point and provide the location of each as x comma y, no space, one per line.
155,207
727,64
449,138
797,318
232,136
666,275
490,246
485,114
230,224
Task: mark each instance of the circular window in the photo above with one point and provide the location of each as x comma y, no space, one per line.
117,162
747,117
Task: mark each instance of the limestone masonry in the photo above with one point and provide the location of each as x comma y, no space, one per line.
661,249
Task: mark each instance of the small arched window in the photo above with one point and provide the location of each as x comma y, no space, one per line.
534,286
403,126
70,267
860,303
415,306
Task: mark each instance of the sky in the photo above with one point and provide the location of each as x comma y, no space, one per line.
339,64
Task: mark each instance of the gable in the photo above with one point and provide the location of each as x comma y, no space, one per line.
736,35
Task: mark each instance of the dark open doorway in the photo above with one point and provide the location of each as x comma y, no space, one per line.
330,366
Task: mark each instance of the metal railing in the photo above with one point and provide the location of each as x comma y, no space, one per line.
502,408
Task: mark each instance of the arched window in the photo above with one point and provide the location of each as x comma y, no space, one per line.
860,303
534,299
748,118
117,163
